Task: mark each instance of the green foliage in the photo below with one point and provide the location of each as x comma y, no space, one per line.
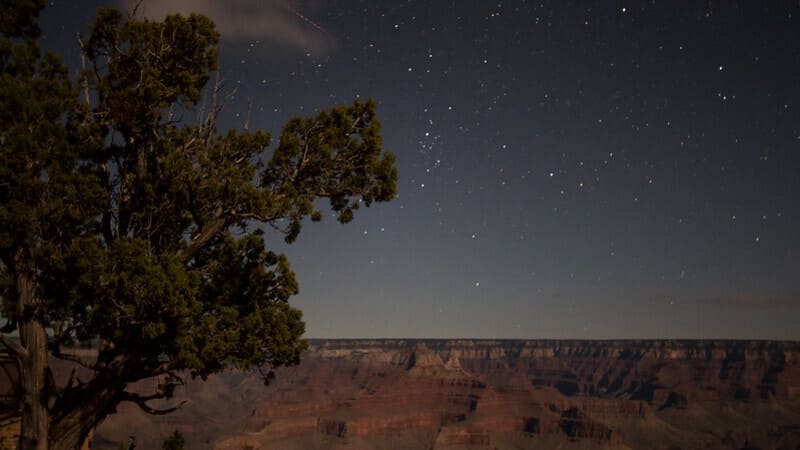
18,18
149,66
147,234
335,155
174,442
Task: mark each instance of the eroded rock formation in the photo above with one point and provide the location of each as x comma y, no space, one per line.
487,394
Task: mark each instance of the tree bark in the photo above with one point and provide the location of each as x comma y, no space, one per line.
72,432
79,410
34,371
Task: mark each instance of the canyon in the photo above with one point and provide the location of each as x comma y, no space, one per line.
490,394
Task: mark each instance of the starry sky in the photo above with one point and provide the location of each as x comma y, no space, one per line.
567,169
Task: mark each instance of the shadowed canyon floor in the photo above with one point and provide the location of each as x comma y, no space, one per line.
493,394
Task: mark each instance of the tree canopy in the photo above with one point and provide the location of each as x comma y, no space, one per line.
126,226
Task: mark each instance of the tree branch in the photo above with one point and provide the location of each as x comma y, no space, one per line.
210,229
14,346
249,109
141,402
253,216
74,358
84,79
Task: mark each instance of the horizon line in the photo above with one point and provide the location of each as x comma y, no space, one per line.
548,339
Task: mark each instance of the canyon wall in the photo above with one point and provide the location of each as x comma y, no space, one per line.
492,394
458,394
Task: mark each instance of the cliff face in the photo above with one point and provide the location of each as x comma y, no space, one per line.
464,394
638,370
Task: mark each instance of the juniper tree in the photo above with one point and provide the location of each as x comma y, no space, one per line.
174,442
123,225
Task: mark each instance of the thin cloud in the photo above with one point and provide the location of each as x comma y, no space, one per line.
273,23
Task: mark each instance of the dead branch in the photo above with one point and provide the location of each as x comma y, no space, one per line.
141,402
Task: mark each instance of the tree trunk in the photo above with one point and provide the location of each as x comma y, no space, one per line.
35,424
70,433
79,414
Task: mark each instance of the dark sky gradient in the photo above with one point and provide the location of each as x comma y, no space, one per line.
591,170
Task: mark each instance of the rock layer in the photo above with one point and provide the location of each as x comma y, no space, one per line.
504,394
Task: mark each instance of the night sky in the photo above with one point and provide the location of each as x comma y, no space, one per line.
567,169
